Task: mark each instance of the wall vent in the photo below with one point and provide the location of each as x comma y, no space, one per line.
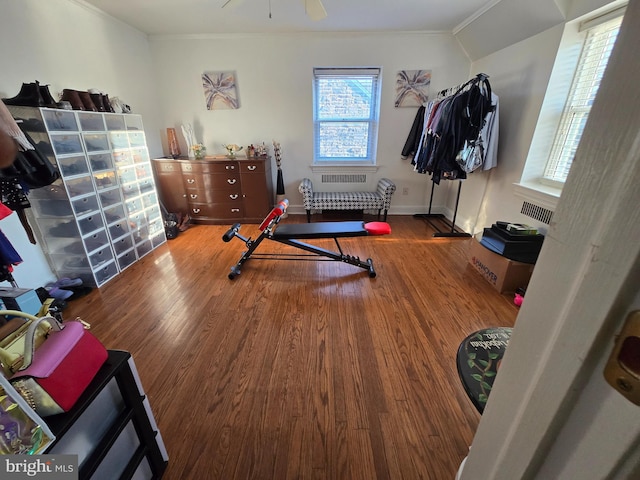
344,178
541,214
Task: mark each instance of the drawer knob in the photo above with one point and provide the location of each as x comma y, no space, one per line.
251,167
231,181
196,210
230,167
233,197
193,196
191,181
235,210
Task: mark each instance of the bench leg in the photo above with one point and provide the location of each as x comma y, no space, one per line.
379,210
385,216
308,216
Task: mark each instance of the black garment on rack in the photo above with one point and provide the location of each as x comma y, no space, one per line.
413,140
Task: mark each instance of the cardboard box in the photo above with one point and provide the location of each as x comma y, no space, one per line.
504,274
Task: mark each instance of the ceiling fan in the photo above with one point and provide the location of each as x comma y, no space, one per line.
314,8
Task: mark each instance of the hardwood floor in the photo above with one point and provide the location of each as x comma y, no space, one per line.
303,369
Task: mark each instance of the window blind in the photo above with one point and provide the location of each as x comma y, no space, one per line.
591,66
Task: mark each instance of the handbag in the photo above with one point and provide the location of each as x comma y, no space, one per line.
23,430
53,377
12,335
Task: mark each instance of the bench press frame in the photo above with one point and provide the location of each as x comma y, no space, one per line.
292,235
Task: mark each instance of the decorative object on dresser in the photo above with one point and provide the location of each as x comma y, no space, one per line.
190,138
172,141
199,151
103,214
217,189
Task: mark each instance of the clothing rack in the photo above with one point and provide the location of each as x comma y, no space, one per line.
429,217
451,230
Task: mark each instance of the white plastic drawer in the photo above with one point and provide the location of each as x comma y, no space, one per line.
119,455
109,197
115,122
105,273
79,186
133,122
87,432
143,472
96,142
114,214
130,190
100,257
134,207
105,179
122,158
127,174
150,199
140,155
127,259
156,225
100,161
76,165
144,248
91,122
118,229
85,205
66,144
91,223
119,140
136,139
96,240
143,171
121,245
60,120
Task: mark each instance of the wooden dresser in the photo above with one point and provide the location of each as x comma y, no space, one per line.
216,190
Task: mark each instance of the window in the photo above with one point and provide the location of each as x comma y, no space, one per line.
591,65
346,109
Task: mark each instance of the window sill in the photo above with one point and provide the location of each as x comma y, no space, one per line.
534,192
343,167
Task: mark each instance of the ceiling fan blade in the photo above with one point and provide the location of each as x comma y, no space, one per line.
315,10
232,3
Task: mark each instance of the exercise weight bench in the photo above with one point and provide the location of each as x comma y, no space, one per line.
292,234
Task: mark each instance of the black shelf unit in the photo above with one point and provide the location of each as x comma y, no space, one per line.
114,411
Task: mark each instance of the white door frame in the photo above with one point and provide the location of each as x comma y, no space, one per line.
586,279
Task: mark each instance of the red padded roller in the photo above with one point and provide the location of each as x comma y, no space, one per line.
377,228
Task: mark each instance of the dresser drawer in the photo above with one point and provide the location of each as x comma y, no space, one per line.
167,167
214,196
249,166
215,210
210,167
230,181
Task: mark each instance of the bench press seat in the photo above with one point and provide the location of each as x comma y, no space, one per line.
379,200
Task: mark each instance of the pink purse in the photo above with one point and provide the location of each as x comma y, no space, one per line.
53,377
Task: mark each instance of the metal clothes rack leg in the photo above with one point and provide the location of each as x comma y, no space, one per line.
454,231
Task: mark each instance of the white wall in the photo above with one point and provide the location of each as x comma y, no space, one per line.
67,45
519,76
274,76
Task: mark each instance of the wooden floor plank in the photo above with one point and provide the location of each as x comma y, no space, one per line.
303,369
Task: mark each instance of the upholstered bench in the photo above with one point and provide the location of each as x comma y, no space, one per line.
378,200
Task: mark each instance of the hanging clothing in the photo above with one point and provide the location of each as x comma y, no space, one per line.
8,255
14,196
455,137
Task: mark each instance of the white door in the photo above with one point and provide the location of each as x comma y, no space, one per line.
551,415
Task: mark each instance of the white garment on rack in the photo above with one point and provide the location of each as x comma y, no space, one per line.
489,136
